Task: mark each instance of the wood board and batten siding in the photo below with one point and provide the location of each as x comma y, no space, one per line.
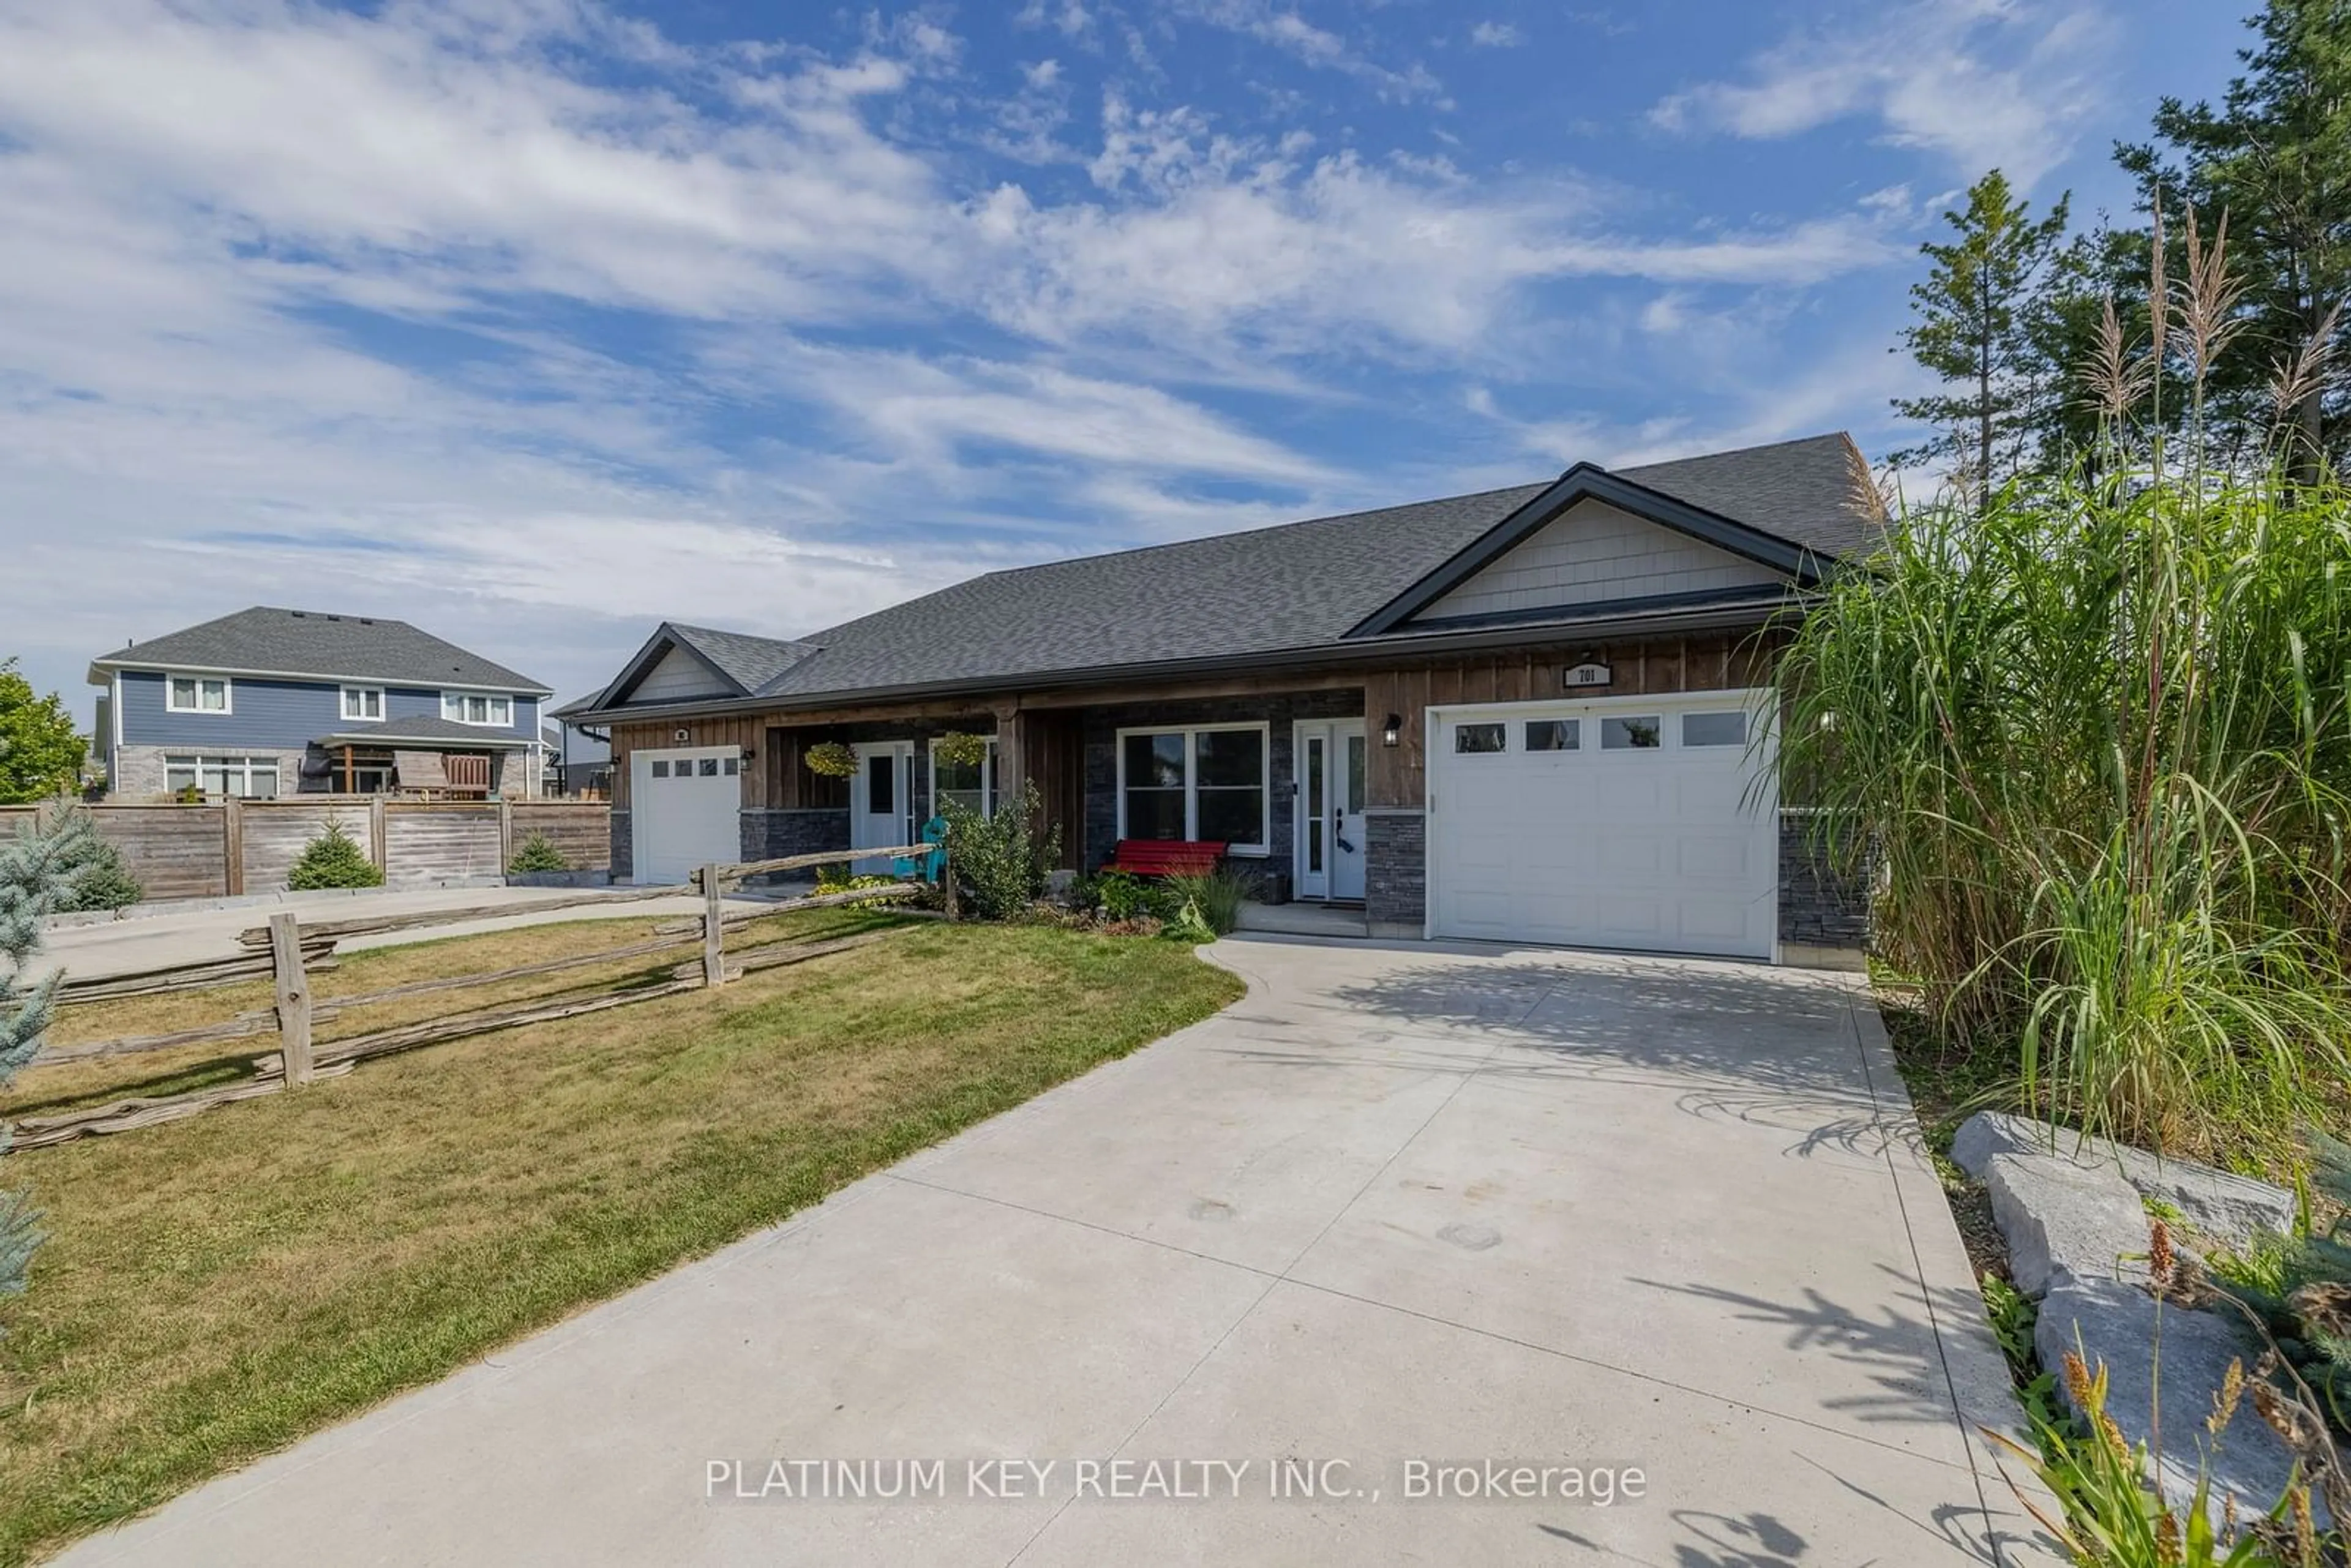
745,734
1399,774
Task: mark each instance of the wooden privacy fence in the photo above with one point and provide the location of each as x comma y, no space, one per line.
291,953
225,848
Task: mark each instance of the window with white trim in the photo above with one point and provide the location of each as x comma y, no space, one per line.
363,704
971,785
1204,782
477,707
195,694
250,777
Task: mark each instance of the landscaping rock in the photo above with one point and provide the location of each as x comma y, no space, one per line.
2231,1208
1989,1132
2228,1208
2056,1216
2116,1323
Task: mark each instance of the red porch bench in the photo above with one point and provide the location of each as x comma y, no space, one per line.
1165,857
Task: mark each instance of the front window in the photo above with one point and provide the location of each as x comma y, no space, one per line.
477,707
364,703
971,785
1195,784
196,693
249,778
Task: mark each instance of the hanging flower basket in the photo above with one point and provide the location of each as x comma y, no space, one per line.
830,759
961,750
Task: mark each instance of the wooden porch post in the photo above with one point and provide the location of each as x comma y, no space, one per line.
350,771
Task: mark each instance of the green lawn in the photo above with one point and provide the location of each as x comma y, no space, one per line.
217,1287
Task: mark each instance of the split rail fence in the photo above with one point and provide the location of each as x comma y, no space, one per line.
290,952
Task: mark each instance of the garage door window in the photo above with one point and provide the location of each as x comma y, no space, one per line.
1473,739
1714,728
1554,734
1631,734
1195,784
660,769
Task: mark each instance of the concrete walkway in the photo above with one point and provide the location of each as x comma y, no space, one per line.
1403,1208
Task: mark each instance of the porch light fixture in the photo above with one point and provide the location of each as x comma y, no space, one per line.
1392,732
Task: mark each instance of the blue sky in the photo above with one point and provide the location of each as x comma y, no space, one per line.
537,321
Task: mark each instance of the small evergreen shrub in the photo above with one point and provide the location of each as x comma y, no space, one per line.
95,874
333,860
538,853
1000,861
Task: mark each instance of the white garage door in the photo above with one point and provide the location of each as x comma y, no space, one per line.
1615,823
684,807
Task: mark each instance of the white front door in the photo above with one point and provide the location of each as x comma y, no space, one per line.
684,811
1329,818
1649,822
882,801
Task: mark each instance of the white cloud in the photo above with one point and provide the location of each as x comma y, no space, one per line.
1979,83
313,306
1496,36
1286,30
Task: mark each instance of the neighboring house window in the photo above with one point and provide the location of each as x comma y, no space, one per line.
363,702
196,693
1199,783
969,784
252,777
477,707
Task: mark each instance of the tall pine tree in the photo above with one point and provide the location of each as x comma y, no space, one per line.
1978,328
2276,157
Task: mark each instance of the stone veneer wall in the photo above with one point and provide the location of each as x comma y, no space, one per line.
139,773
1818,907
770,835
623,847
1395,870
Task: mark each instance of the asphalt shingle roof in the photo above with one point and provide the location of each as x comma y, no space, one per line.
1299,585
430,731
749,662
312,642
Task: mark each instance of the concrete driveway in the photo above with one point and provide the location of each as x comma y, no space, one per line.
1401,1212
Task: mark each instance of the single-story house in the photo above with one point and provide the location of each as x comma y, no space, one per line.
1537,714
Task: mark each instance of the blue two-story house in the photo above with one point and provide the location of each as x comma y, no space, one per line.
280,702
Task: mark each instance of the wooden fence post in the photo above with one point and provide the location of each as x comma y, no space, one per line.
714,933
293,997
233,845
